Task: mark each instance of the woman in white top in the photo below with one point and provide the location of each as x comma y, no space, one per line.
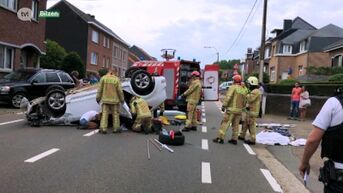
305,102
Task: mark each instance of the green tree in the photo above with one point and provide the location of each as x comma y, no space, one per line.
102,72
228,64
72,62
266,78
54,56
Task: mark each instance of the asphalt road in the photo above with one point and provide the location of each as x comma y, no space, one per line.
118,162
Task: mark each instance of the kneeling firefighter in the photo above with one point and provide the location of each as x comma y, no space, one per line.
142,114
253,99
192,94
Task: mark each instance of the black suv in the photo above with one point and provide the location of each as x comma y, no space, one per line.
32,83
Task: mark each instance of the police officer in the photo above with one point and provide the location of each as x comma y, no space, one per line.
193,94
233,105
140,109
110,93
253,99
328,129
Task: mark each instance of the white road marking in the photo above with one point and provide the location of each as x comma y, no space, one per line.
202,103
204,120
206,173
203,110
249,150
273,183
204,129
42,155
91,133
203,114
9,122
20,113
204,144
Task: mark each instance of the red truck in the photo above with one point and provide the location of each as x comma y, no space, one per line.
177,74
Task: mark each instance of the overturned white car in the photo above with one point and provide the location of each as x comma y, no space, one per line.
66,108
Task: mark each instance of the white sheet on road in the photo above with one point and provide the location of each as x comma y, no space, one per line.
298,142
271,138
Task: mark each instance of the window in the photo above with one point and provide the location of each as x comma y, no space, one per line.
95,36
94,58
105,40
272,74
34,10
300,70
287,49
52,77
10,4
108,63
267,53
6,58
39,78
103,61
303,46
108,43
115,51
65,78
337,61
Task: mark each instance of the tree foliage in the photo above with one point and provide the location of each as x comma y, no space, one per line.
72,62
266,78
54,56
228,64
336,77
102,72
324,70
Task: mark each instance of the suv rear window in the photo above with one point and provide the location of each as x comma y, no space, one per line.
65,78
52,77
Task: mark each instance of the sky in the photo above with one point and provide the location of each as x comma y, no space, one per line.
190,25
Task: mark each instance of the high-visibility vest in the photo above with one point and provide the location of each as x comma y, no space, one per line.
140,107
254,100
234,100
193,93
110,90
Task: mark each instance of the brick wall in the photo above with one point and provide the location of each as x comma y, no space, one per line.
15,31
99,49
319,59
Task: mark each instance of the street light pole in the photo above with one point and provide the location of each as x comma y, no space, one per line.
217,52
263,40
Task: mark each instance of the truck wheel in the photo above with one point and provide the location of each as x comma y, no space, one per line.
16,99
142,82
56,103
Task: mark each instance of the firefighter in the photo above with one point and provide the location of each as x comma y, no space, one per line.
142,114
192,95
111,95
253,108
233,105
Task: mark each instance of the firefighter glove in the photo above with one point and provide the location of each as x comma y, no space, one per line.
223,109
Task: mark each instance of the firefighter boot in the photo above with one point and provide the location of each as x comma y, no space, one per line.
194,128
232,141
218,140
186,129
249,142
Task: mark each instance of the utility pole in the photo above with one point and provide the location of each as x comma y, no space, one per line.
263,40
217,52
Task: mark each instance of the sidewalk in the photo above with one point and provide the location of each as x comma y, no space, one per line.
291,156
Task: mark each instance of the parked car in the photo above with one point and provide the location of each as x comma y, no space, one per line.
225,85
67,107
32,83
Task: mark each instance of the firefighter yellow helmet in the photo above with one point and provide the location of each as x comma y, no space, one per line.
253,81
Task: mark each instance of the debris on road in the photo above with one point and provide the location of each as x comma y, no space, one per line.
153,142
148,150
164,146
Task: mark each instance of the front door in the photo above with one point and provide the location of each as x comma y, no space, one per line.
23,59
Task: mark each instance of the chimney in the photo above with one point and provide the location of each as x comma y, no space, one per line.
287,24
92,16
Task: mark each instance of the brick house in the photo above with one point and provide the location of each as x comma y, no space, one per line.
98,46
297,46
21,42
335,52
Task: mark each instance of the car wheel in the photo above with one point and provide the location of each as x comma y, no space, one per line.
166,139
56,103
16,99
130,71
142,82
55,88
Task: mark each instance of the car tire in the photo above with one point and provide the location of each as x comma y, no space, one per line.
54,88
130,71
16,99
55,103
178,139
142,83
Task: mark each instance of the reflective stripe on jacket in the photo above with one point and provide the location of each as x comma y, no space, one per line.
110,90
234,100
254,99
193,93
140,107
